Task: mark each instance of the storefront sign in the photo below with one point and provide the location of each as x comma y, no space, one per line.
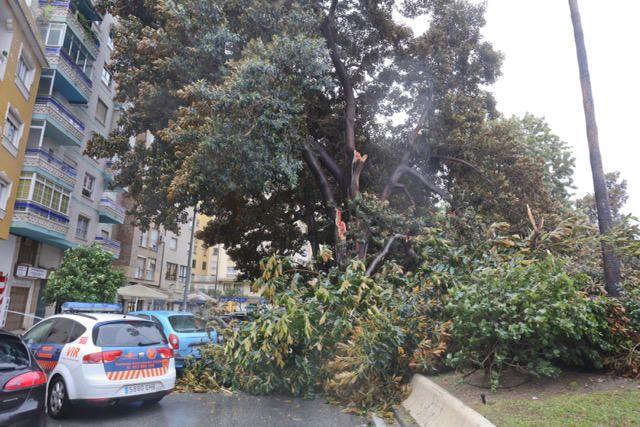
37,273
31,272
21,270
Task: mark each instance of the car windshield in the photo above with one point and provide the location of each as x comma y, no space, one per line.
13,354
128,334
185,323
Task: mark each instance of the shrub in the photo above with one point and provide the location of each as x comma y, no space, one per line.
528,316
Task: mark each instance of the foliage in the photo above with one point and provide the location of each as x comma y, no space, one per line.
617,194
86,274
339,332
527,316
239,94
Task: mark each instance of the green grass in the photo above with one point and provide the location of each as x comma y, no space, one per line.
601,409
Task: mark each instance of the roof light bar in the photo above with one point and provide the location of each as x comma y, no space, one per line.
91,307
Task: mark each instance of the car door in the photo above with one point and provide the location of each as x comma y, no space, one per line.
37,336
48,348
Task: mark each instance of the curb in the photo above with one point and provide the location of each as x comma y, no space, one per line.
431,405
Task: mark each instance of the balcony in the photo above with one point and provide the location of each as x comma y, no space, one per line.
40,161
70,79
112,246
62,126
41,224
66,12
110,212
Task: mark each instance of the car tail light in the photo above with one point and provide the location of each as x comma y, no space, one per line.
102,357
165,353
174,341
28,380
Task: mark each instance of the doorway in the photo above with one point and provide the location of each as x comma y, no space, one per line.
17,303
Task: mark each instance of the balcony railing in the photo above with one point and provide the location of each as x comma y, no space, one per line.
43,160
61,61
112,246
111,212
66,11
57,112
33,213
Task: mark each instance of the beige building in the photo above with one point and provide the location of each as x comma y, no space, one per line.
214,271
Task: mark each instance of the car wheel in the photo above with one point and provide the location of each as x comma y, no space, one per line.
153,401
58,399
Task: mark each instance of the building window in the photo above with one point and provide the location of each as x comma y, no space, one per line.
204,265
151,269
106,77
183,274
104,234
82,228
143,240
87,185
232,272
173,243
36,188
12,132
53,34
140,267
101,111
45,87
172,271
193,263
154,239
24,74
5,190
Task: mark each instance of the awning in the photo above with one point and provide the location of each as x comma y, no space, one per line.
141,292
199,297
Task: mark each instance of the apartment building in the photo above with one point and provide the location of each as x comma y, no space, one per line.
214,271
62,198
155,262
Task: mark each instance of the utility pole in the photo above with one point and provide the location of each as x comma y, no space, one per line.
610,261
215,285
190,260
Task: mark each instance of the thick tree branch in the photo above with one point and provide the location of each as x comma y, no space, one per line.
327,161
321,179
455,160
351,180
427,182
380,257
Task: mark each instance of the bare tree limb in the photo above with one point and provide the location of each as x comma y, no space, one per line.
380,257
456,160
327,161
320,177
427,182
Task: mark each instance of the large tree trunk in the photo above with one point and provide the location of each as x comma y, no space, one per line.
605,222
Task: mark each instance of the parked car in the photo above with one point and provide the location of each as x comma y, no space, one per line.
185,333
101,358
23,383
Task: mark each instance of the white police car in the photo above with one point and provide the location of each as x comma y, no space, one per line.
101,358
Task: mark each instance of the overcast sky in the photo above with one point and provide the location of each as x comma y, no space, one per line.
540,76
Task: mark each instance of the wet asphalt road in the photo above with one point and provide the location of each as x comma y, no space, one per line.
186,409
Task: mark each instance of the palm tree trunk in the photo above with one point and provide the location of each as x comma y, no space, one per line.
610,260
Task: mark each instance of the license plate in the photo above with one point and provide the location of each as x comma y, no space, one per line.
140,389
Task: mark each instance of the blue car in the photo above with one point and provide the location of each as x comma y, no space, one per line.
185,334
